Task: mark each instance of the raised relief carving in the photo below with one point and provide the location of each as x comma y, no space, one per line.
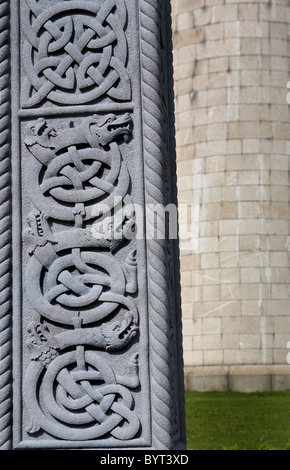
79,184
74,52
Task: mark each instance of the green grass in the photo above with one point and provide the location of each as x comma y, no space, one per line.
238,421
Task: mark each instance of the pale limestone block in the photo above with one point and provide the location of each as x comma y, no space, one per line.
280,291
201,67
190,262
210,261
184,119
231,178
211,195
252,307
186,5
183,71
281,340
185,21
187,310
208,229
231,326
199,116
200,99
228,243
250,193
229,259
249,243
210,293
275,78
230,193
251,145
248,49
184,168
186,152
216,97
251,356
280,112
214,357
185,197
186,54
269,275
248,12
217,114
231,292
230,276
280,130
191,294
187,343
250,275
250,341
185,182
202,16
274,227
217,64
214,31
183,86
279,47
230,341
229,211
245,62
192,359
252,259
209,244
216,131
232,356
211,341
280,355
214,179
183,103
276,210
188,327
279,63
276,307
281,324
250,291
249,112
211,326
224,13
279,259
185,278
249,210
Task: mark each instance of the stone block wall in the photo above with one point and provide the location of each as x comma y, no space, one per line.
231,62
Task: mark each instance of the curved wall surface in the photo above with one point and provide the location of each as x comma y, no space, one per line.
231,61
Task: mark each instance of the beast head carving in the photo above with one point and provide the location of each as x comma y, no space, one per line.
110,128
119,334
41,344
38,232
40,134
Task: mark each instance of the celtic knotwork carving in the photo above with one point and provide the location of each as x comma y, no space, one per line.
82,398
80,187
75,52
78,167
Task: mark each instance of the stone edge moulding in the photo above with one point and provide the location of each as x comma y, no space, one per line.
90,320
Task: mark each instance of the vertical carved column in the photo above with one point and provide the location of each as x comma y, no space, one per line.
5,234
98,359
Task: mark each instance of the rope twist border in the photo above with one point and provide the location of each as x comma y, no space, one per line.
5,233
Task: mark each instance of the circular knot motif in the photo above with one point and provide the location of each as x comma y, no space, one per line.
75,52
82,399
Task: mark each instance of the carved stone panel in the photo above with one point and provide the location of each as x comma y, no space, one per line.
97,359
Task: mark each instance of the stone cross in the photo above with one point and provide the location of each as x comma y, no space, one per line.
90,322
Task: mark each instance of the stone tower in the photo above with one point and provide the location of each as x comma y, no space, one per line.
233,128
